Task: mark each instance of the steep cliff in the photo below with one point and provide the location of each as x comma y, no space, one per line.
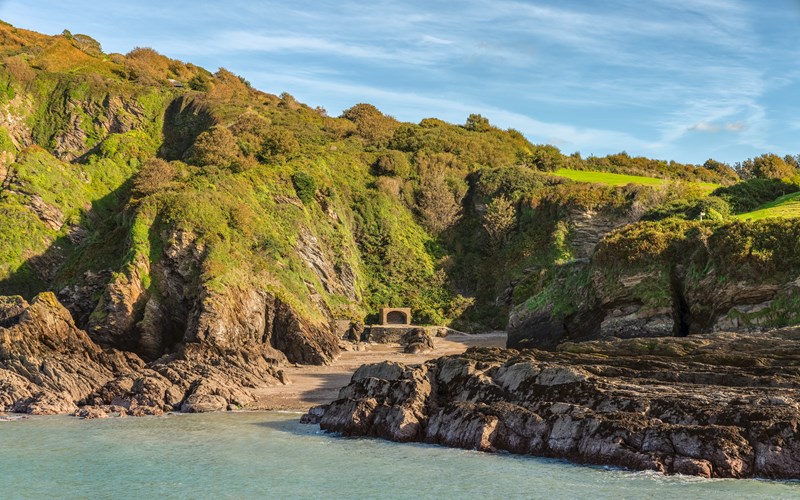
669,278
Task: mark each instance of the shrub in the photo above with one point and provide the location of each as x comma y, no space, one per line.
279,143
154,175
477,123
216,146
498,220
200,83
710,208
305,186
372,126
393,163
749,195
544,157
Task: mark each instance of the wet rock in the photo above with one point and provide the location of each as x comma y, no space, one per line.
697,405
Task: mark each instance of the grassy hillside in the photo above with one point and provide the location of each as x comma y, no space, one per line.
613,179
787,206
116,184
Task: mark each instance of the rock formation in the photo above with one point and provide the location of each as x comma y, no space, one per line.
719,405
704,280
48,365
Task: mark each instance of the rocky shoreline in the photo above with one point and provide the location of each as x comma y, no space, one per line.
721,405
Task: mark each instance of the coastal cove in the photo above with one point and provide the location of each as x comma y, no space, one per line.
269,454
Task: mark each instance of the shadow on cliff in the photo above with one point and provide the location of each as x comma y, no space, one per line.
78,264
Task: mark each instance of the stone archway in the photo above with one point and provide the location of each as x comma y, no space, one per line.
395,316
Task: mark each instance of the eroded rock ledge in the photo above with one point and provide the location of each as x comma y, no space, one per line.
719,405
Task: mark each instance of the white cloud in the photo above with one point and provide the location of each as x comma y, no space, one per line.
704,127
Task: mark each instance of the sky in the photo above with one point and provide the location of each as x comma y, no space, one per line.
673,79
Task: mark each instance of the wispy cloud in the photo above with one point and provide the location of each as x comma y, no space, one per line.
674,78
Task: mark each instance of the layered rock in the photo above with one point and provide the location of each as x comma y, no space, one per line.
699,279
180,310
48,365
720,405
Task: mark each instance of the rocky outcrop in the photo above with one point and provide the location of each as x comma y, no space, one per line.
180,309
417,341
48,365
194,379
719,405
739,277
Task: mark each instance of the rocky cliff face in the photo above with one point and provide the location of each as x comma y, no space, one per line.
705,280
48,365
697,405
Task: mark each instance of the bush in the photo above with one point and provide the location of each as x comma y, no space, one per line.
498,220
216,146
372,126
749,195
393,163
278,144
544,157
155,175
477,123
200,83
709,208
305,186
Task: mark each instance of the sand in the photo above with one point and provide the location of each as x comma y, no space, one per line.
312,385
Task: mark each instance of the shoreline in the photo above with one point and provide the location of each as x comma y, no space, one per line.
312,385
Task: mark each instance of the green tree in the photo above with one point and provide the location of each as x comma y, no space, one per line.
544,157
498,220
720,168
375,128
216,146
771,166
477,123
437,203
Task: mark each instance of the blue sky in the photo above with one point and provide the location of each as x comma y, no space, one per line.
673,79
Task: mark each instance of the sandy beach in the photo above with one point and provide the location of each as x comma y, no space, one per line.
312,385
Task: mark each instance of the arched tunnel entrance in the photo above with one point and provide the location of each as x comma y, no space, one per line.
395,316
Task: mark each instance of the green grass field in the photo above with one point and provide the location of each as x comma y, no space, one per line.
786,206
620,179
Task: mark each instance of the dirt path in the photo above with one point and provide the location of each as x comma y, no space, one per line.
312,385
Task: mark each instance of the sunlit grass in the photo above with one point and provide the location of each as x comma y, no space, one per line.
612,179
787,206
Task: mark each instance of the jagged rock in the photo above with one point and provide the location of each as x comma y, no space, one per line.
50,215
416,341
183,312
81,298
695,405
48,365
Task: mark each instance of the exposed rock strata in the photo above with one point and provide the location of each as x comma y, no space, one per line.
721,405
48,365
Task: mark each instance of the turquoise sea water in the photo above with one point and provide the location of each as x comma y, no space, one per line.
270,455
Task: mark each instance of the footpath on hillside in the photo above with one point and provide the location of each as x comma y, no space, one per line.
312,385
